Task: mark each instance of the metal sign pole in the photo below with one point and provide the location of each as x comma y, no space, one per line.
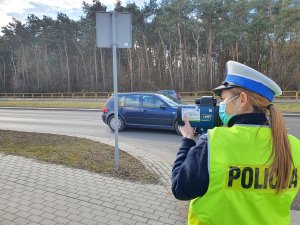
116,100
114,30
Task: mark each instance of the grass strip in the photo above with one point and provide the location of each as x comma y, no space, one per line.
74,152
52,104
287,107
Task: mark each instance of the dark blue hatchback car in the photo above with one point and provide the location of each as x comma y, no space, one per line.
142,110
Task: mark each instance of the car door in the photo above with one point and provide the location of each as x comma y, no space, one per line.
130,108
156,112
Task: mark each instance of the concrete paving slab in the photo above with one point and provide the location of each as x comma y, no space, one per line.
117,201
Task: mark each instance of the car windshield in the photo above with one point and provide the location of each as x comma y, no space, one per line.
171,101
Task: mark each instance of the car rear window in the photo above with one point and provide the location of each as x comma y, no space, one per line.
110,102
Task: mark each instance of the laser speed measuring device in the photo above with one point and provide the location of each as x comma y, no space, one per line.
204,115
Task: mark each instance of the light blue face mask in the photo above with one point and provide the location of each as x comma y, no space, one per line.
224,116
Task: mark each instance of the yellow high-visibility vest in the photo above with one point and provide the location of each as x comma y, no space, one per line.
241,190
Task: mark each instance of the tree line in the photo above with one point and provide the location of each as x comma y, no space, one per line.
177,44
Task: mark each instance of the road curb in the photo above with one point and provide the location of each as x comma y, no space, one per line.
295,217
291,114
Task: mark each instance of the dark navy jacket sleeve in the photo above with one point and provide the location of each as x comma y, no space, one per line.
190,176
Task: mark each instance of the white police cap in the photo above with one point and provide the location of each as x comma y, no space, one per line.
240,75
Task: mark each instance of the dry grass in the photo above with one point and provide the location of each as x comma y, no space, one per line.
74,152
288,106
52,104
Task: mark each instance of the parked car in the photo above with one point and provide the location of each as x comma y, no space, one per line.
171,93
142,110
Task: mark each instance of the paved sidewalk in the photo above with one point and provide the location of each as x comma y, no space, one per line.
33,192
40,193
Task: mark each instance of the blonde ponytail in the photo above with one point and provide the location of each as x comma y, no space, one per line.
281,155
282,163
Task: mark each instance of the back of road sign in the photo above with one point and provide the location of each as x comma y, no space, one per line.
104,30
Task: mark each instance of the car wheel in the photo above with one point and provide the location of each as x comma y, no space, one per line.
176,127
111,123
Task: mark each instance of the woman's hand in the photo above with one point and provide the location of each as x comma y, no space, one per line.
187,131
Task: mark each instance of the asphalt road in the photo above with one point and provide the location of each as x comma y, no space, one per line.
159,142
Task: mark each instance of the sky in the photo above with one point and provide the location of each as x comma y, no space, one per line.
20,9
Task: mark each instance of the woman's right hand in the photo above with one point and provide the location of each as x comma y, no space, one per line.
187,131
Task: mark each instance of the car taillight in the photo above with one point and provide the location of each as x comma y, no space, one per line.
104,110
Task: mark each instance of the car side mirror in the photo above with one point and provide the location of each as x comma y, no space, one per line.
163,107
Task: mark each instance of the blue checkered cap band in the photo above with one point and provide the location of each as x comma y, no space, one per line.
243,76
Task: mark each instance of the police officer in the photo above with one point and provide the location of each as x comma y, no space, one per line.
247,171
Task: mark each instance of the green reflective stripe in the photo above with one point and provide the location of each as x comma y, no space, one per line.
241,190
